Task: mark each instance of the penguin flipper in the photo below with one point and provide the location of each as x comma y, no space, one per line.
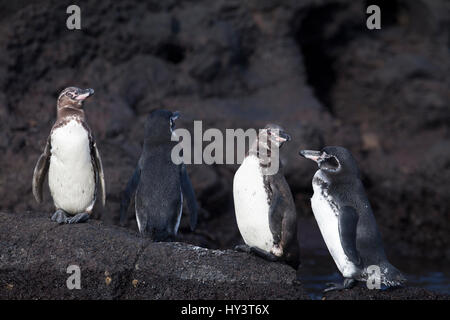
129,192
348,219
256,251
99,171
263,254
40,171
275,215
281,215
189,194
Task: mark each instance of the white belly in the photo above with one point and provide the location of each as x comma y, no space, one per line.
71,175
251,207
327,220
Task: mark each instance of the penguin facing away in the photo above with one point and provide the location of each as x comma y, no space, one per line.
346,221
158,184
264,207
72,161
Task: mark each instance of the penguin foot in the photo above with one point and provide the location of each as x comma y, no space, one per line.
256,251
347,284
242,248
79,218
60,216
263,254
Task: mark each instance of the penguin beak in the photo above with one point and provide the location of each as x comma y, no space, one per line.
278,135
312,155
283,137
85,94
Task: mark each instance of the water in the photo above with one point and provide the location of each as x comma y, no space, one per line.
318,269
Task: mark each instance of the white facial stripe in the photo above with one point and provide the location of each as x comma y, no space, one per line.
329,168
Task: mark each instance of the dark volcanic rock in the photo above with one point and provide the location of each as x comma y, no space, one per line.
118,264
408,293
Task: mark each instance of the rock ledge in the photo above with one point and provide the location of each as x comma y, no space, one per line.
118,264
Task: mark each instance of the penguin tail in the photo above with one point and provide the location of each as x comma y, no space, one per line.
391,276
160,235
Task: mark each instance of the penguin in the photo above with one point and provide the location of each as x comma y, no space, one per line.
72,161
158,183
264,207
346,221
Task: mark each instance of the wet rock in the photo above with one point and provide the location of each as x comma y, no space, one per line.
407,293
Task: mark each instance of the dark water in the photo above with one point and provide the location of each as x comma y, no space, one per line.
318,269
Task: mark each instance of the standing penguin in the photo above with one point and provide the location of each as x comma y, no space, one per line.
159,183
346,221
72,161
265,210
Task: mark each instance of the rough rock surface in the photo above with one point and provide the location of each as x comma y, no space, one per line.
117,264
310,66
408,293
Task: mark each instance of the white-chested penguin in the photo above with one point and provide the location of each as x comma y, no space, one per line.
72,160
158,183
265,210
344,215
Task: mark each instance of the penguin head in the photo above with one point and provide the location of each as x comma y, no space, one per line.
160,125
73,97
272,135
334,161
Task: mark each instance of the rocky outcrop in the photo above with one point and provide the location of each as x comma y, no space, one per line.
36,257
114,263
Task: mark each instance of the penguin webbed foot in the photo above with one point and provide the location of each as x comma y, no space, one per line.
263,254
348,283
256,251
60,216
79,218
242,248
